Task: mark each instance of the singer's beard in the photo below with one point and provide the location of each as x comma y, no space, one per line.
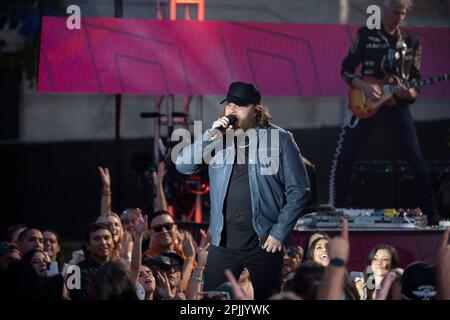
247,123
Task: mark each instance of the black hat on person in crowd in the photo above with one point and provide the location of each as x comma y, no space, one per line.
164,261
419,281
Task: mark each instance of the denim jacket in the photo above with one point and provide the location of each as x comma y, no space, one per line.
279,184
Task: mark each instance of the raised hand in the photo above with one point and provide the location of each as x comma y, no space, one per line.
202,256
385,286
139,227
246,284
204,241
163,285
162,169
339,246
443,267
158,176
125,246
105,177
203,238
332,285
188,245
179,295
237,291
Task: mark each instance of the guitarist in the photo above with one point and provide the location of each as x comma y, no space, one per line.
382,52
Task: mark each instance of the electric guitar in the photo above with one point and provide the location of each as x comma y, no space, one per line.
363,108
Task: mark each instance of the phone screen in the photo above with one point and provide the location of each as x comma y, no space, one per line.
52,269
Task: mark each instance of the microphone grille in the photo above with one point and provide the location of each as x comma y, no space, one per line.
232,119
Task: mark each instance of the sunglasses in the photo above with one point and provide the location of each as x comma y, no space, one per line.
292,254
166,226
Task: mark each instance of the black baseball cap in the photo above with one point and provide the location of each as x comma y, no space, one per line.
242,94
163,260
419,281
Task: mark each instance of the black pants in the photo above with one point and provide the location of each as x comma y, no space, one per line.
399,120
264,268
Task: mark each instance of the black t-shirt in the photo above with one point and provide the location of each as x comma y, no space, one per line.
238,232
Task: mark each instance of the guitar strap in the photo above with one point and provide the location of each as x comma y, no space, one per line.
396,54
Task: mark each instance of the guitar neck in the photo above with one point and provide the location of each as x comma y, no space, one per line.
430,80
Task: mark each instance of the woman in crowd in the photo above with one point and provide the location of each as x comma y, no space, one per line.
317,234
381,260
53,286
21,282
38,260
318,252
147,281
52,247
112,220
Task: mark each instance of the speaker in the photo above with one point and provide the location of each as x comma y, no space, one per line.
373,184
405,190
390,184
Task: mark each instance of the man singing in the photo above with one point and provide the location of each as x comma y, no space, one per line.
258,186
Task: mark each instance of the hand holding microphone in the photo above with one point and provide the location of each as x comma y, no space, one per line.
224,123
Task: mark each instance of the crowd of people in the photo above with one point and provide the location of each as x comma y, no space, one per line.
138,257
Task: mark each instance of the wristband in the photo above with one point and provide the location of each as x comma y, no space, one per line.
337,262
197,279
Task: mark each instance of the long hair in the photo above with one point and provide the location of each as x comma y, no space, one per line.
263,116
395,263
350,291
113,282
312,247
21,282
117,244
60,255
349,288
308,239
29,255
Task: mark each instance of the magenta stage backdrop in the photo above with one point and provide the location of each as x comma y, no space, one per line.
139,56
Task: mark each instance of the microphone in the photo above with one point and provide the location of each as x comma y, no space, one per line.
231,121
